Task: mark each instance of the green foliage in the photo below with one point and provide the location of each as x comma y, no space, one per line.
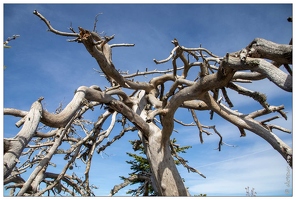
140,168
179,149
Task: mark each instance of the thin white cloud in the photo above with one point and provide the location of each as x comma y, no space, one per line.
265,171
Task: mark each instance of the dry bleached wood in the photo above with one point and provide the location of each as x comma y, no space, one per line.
261,48
265,68
17,146
150,103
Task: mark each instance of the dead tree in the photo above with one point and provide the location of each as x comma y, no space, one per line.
149,107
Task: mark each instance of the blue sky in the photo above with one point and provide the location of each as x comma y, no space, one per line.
41,63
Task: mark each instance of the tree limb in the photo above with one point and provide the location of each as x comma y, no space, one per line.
22,138
51,28
273,73
253,126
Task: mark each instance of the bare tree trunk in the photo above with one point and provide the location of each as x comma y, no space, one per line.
163,167
166,178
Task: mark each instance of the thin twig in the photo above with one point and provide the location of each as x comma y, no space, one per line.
96,20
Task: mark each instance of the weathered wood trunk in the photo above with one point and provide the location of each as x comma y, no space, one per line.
164,171
165,176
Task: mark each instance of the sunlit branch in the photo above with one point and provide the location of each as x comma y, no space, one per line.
272,126
200,50
43,163
24,136
261,112
107,132
51,28
168,58
250,124
14,112
9,39
138,73
126,182
247,76
274,74
153,113
261,48
121,45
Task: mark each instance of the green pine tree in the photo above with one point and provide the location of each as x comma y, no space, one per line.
141,173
